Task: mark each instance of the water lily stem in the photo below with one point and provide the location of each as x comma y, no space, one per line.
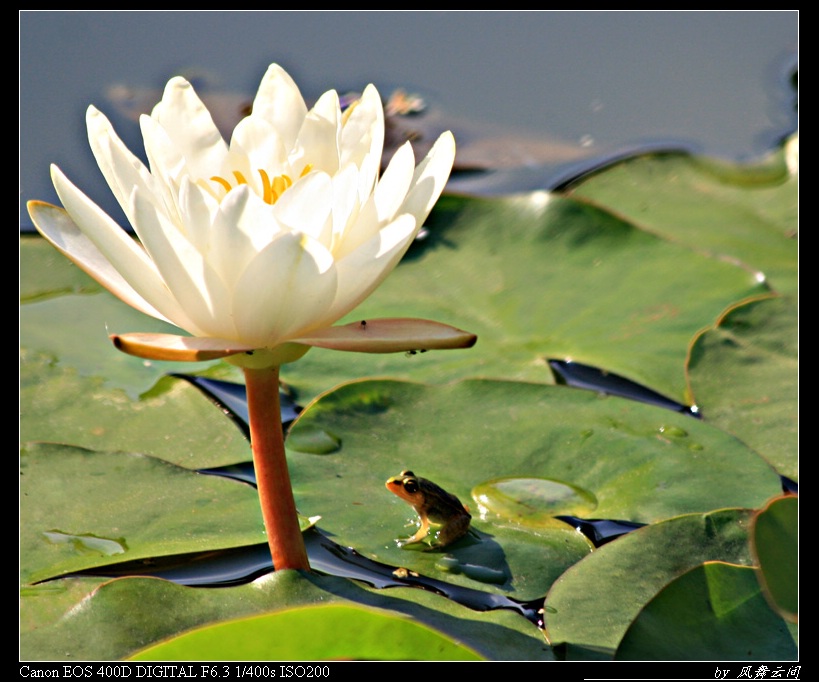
272,477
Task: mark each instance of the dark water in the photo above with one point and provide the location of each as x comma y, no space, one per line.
547,89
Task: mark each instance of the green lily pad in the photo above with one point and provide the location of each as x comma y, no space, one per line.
538,276
715,611
119,617
312,633
745,370
748,213
74,329
172,421
47,273
640,463
589,609
84,508
775,544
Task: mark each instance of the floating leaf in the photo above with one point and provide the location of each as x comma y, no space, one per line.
715,611
640,463
775,544
590,607
119,617
747,213
540,277
149,507
745,369
312,633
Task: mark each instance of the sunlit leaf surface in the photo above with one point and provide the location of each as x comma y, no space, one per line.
302,634
630,461
743,213
538,276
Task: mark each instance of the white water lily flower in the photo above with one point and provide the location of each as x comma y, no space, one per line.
258,246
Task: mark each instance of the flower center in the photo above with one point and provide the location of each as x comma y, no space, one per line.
271,189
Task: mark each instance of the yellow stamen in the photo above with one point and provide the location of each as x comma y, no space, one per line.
267,190
271,189
222,182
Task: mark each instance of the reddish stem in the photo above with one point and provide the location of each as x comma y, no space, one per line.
272,477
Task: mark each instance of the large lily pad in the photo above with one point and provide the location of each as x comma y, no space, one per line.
84,508
538,276
73,329
748,213
637,462
312,633
170,421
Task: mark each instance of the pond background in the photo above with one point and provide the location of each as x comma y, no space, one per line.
711,82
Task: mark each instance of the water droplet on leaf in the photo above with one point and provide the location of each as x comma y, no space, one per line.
667,430
87,543
533,502
313,440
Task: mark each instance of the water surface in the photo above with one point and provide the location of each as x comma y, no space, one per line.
579,82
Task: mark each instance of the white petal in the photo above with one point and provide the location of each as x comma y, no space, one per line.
190,125
363,133
360,272
368,171
168,166
306,207
196,210
56,226
320,136
430,178
261,144
381,207
279,102
283,290
122,170
346,205
194,283
119,249
392,188
243,226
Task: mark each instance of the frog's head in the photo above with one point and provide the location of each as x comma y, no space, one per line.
407,486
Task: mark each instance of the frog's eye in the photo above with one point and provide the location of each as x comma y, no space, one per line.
407,473
411,485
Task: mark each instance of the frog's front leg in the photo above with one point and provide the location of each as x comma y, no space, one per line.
422,532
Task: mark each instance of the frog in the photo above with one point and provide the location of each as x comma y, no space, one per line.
434,505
